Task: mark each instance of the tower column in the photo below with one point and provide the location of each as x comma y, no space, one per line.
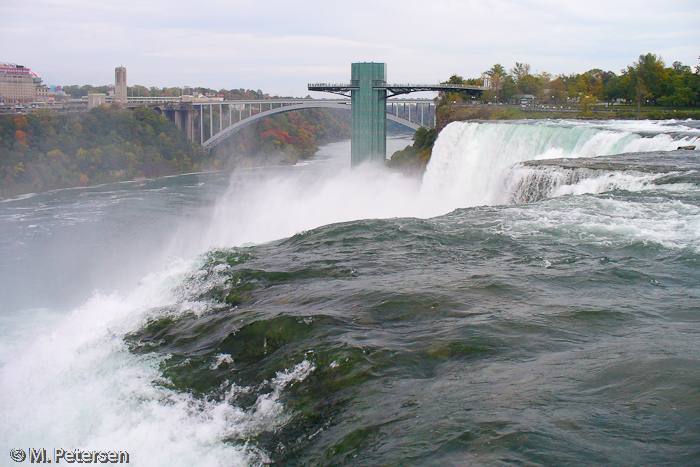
120,85
368,113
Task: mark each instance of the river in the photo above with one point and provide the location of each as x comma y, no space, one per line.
533,300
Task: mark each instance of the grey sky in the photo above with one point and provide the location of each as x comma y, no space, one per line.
280,46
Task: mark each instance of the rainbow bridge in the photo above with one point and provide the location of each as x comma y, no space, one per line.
222,119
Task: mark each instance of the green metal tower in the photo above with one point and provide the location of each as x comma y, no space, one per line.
368,112
368,92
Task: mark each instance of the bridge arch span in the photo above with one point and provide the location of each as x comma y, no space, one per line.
218,138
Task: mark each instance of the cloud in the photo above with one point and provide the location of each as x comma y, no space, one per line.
279,46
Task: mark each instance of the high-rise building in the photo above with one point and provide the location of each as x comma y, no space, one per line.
120,85
17,84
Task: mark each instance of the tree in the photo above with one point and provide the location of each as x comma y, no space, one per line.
679,68
508,89
21,137
557,89
647,77
497,71
496,75
456,79
528,84
520,70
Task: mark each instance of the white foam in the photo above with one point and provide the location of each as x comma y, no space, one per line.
74,384
605,183
609,222
277,207
526,184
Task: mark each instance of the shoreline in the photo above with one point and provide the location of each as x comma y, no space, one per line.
449,113
116,182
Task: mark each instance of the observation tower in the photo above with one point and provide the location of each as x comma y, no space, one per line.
368,91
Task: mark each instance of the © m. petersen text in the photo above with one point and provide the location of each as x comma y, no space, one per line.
43,456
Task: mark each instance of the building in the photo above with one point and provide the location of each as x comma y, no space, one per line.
18,84
42,93
527,99
56,94
120,85
96,99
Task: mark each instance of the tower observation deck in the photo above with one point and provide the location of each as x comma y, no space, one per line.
368,91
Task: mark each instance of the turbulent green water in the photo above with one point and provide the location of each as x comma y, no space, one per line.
452,340
308,317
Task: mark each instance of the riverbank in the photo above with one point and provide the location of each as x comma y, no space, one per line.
449,113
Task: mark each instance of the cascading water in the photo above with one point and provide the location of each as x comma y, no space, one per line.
528,183
471,160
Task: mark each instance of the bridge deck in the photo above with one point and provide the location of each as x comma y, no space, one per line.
397,89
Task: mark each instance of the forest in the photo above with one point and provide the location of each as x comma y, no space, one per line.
44,150
137,90
646,82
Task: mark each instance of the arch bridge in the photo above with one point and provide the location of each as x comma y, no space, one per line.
219,120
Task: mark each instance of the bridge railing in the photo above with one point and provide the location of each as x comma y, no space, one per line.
436,86
330,85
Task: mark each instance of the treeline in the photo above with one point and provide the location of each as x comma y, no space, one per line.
285,138
44,150
647,82
78,92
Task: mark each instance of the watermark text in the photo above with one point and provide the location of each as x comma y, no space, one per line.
56,456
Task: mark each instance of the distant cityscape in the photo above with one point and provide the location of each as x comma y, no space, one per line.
20,86
22,89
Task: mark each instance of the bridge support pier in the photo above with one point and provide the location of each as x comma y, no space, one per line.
182,115
184,120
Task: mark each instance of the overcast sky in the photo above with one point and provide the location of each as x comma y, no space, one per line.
280,46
